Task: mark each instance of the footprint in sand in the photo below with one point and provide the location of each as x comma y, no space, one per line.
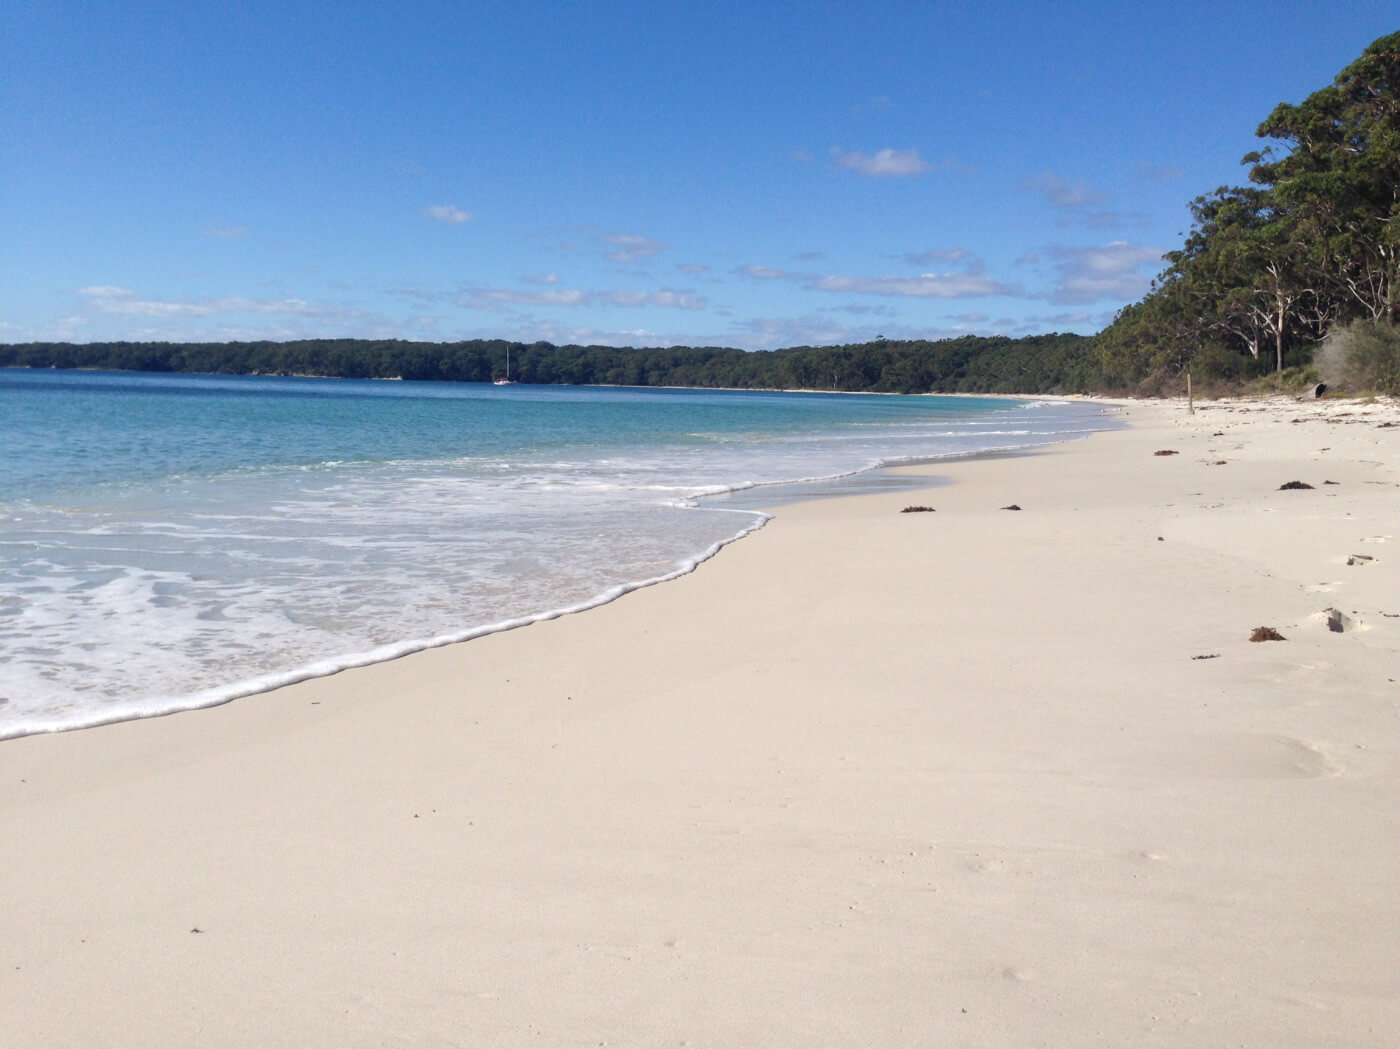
986,865
1253,756
1336,621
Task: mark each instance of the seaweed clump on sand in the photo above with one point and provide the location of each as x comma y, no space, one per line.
1291,485
1266,633
917,510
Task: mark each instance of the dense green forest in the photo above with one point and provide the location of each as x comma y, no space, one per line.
1038,364
1309,248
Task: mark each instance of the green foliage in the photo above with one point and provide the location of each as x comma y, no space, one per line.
1291,380
1314,240
1038,364
1373,357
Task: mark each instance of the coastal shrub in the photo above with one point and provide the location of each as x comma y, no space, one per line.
1290,380
1372,359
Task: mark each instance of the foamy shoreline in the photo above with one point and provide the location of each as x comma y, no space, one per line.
956,778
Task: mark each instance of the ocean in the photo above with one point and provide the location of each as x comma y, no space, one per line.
176,541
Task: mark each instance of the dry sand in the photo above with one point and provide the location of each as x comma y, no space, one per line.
866,779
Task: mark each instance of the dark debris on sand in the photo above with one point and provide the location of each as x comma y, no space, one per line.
1013,506
1293,485
917,510
1266,633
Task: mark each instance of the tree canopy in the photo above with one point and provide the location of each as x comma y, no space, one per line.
1313,240
970,364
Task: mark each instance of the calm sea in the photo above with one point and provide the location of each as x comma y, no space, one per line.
174,541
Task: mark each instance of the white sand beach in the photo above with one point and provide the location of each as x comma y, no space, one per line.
974,777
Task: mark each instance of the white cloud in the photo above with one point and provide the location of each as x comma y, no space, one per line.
971,283
628,248
923,258
670,299
1107,271
121,302
762,272
449,213
887,163
492,298
924,286
1062,193
496,298
860,309
1147,172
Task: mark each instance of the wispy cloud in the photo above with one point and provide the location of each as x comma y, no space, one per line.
861,309
810,330
886,163
542,278
927,258
1078,203
924,286
498,298
764,272
1148,172
814,329
1061,193
628,248
669,299
692,268
121,302
970,283
1107,271
448,213
494,298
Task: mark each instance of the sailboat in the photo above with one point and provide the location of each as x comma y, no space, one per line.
507,381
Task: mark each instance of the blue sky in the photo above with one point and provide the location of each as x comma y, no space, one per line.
743,174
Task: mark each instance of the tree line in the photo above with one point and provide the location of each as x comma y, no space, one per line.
969,364
1310,244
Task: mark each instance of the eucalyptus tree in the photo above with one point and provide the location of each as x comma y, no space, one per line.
1335,166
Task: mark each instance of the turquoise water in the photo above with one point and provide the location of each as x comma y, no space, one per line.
174,541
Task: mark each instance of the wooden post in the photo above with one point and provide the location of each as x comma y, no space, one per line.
1190,404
